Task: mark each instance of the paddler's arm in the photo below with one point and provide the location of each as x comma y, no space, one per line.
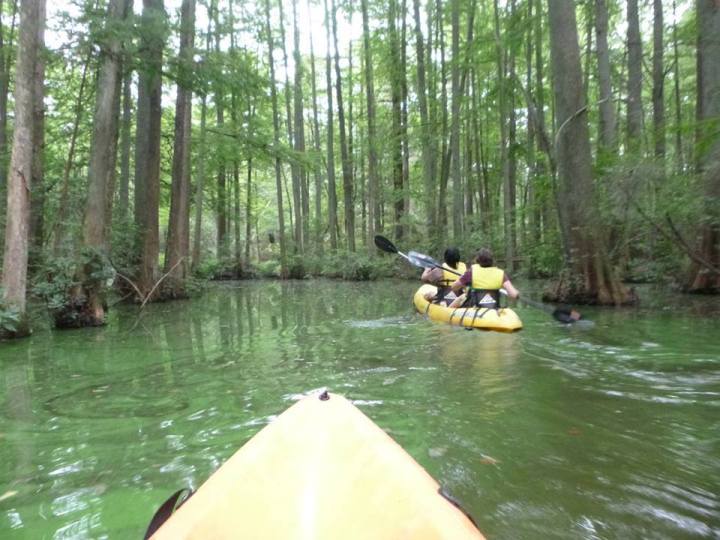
462,282
431,275
512,292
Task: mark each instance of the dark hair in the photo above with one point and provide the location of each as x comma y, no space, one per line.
484,257
452,256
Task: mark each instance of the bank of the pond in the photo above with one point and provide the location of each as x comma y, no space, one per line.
558,432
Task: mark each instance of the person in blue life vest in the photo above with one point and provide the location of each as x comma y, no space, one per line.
444,277
483,281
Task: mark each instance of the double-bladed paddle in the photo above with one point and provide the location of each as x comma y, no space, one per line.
425,261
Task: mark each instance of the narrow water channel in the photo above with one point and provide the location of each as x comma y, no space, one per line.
609,430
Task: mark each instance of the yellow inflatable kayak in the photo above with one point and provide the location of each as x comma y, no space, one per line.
500,320
321,470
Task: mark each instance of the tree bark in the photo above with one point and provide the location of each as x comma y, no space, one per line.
658,93
276,142
178,240
396,133
702,279
425,134
14,277
299,133
634,98
37,194
455,122
346,164
316,146
606,135
6,58
332,193
147,150
222,199
125,148
588,278
373,219
679,159
202,144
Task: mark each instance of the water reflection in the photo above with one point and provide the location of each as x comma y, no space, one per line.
556,431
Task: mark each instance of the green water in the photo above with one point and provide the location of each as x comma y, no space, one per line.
609,431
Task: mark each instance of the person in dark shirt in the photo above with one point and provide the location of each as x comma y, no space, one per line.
484,281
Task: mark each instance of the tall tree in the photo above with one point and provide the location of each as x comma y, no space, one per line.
588,276
147,146
396,133
14,276
299,133
425,129
202,145
455,124
679,160
276,142
125,147
373,180
222,198
316,146
634,67
606,130
705,275
88,305
332,193
178,241
6,58
37,196
344,154
658,92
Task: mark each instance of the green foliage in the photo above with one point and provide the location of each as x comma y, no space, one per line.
58,281
10,319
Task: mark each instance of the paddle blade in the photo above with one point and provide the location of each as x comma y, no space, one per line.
422,260
384,244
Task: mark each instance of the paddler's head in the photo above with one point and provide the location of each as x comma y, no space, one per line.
452,256
484,257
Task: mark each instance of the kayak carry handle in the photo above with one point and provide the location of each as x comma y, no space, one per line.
324,396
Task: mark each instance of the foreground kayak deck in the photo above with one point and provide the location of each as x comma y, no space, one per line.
499,320
321,470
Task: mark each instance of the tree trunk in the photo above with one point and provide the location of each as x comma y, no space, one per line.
634,98
276,142
299,132
332,193
404,112
197,240
444,165
679,159
222,199
396,133
125,145
248,212
588,278
425,134
346,165
147,150
296,207
178,240
373,219
37,194
316,146
455,124
6,58
702,278
658,94
606,135
14,276
87,301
